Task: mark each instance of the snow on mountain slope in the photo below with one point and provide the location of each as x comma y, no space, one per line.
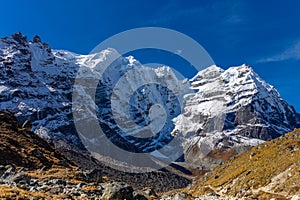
135,106
229,110
37,88
36,84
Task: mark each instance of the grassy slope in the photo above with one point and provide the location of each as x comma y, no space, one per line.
19,148
23,148
271,169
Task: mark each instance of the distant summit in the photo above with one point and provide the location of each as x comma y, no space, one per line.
232,110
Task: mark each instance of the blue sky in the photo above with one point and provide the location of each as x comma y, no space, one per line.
263,34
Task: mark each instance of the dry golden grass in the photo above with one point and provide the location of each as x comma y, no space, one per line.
106,179
58,172
255,169
23,148
16,193
90,188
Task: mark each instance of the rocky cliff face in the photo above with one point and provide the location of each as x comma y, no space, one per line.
216,114
36,86
232,109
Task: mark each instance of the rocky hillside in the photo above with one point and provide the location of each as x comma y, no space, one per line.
23,148
31,167
269,170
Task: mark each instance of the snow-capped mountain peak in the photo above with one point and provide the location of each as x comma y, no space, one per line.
233,105
216,109
208,73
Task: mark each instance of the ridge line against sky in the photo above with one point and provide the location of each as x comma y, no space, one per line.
264,35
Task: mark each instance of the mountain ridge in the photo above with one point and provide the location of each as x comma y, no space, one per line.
230,112
233,109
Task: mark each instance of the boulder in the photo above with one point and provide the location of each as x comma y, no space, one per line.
118,191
